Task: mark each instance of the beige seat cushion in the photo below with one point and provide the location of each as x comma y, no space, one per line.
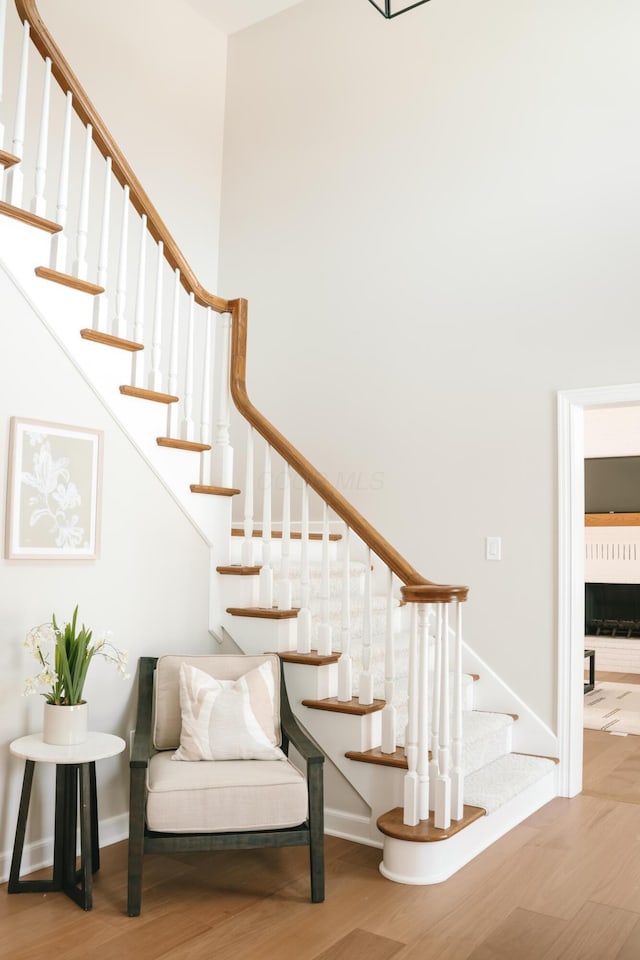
223,795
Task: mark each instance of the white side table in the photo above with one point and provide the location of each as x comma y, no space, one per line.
75,775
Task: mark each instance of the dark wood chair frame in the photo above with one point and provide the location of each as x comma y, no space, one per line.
143,840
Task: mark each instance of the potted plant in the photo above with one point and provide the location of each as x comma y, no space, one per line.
65,654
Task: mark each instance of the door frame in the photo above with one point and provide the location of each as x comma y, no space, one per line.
570,410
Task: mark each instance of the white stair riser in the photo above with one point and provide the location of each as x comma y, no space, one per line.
314,546
261,635
315,683
239,590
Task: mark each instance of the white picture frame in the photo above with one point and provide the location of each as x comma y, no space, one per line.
54,491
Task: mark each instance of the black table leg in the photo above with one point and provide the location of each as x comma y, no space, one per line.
15,885
78,884
95,844
71,780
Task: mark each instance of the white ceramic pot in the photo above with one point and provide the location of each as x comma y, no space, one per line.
65,726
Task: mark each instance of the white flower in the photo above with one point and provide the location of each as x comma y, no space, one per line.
61,643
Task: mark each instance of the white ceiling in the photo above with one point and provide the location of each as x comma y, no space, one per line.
232,15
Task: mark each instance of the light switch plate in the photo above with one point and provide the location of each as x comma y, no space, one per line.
493,548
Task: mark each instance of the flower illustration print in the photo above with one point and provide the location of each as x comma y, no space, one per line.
55,496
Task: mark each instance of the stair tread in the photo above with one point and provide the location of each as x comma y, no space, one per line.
263,613
352,707
499,781
277,534
8,159
109,340
476,726
391,825
144,394
237,570
17,213
176,444
395,759
214,491
68,280
313,659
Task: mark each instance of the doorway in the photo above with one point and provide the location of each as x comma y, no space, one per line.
571,407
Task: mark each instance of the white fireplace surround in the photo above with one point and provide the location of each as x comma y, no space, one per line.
612,555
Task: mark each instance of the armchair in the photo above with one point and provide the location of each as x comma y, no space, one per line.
181,800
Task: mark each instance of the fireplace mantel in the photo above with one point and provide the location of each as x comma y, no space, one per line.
612,519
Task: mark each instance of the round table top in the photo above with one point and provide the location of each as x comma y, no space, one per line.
97,746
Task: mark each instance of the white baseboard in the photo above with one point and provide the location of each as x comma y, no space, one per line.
349,826
39,854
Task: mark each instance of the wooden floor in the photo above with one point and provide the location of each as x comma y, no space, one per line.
564,885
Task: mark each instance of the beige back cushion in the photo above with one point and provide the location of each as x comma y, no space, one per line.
167,718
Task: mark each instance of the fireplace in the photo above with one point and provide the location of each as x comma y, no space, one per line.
612,610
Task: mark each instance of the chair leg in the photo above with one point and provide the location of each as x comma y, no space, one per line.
136,843
316,838
316,856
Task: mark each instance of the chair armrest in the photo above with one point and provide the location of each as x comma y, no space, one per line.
304,744
293,732
142,748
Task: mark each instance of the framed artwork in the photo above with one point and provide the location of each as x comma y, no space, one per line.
53,491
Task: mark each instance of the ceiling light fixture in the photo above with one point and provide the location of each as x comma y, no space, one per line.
392,8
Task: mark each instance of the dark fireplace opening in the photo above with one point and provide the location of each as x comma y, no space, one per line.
612,609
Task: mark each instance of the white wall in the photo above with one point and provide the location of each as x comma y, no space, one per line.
155,70
435,220
149,584
612,432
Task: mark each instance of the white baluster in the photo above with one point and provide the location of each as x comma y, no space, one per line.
304,616
411,810
389,733
119,320
3,19
186,425
101,303
284,586
457,775
345,663
15,178
155,374
59,242
80,266
365,694
38,204
247,543
435,708
205,400
172,412
324,629
137,357
423,712
442,807
266,570
224,450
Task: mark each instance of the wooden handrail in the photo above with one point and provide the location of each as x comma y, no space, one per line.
416,588
66,78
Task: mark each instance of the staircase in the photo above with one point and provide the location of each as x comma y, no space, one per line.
435,756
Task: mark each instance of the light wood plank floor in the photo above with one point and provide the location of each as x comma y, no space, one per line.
564,885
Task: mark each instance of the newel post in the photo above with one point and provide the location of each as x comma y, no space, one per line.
430,721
